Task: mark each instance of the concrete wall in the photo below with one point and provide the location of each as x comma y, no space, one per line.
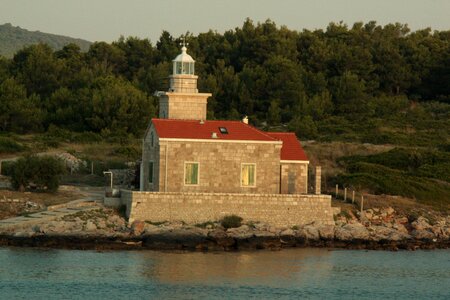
275,209
294,178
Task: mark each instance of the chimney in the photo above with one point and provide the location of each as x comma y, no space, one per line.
202,122
245,120
318,177
214,135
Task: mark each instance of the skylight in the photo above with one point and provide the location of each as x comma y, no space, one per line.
223,130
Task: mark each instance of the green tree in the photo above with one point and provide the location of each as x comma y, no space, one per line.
17,112
42,171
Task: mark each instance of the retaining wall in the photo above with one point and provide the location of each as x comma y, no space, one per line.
275,209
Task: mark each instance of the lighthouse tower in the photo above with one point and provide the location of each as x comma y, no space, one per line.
183,101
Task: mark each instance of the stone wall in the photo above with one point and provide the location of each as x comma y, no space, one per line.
294,178
183,106
275,209
219,166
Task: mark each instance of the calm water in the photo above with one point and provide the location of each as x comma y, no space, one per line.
287,274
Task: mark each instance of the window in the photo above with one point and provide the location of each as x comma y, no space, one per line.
178,67
248,175
190,173
152,139
150,172
223,130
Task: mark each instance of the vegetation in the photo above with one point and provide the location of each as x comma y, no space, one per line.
364,83
14,38
231,221
420,174
41,172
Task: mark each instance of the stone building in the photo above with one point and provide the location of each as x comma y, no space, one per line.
185,152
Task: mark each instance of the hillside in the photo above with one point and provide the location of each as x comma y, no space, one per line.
14,38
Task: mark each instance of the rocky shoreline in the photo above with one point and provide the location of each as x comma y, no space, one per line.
103,229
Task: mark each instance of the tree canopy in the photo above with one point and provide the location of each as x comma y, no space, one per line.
305,80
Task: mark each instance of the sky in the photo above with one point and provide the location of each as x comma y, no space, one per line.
107,20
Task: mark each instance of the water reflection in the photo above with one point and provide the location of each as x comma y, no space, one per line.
252,268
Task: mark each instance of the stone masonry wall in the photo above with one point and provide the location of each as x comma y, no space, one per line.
274,209
183,106
219,166
294,178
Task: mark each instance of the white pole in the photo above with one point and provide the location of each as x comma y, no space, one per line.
362,203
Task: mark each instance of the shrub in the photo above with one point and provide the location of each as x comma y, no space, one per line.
8,145
42,171
232,221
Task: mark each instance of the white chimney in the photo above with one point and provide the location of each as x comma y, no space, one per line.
214,135
245,120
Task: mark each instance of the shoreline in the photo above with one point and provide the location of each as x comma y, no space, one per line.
163,242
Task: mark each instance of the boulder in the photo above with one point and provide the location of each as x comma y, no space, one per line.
264,233
388,211
242,232
137,227
378,233
326,232
342,234
90,226
287,232
309,232
401,220
420,224
354,231
422,234
400,228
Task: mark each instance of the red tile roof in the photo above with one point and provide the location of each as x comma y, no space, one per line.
291,149
193,129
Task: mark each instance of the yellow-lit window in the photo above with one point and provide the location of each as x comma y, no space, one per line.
191,173
248,175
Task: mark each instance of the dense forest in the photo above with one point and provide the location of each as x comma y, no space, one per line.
367,83
364,85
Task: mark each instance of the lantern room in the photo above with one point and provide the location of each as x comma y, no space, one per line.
183,64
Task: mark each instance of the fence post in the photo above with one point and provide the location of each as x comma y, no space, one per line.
345,194
353,197
362,203
337,190
92,168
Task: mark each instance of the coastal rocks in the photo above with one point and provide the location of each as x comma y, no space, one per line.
90,226
242,232
137,228
420,224
380,233
221,238
326,232
354,231
309,232
422,234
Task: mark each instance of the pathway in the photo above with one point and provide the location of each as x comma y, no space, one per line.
91,200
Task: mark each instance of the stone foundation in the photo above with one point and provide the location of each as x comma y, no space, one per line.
274,209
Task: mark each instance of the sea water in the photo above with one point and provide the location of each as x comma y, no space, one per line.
287,274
